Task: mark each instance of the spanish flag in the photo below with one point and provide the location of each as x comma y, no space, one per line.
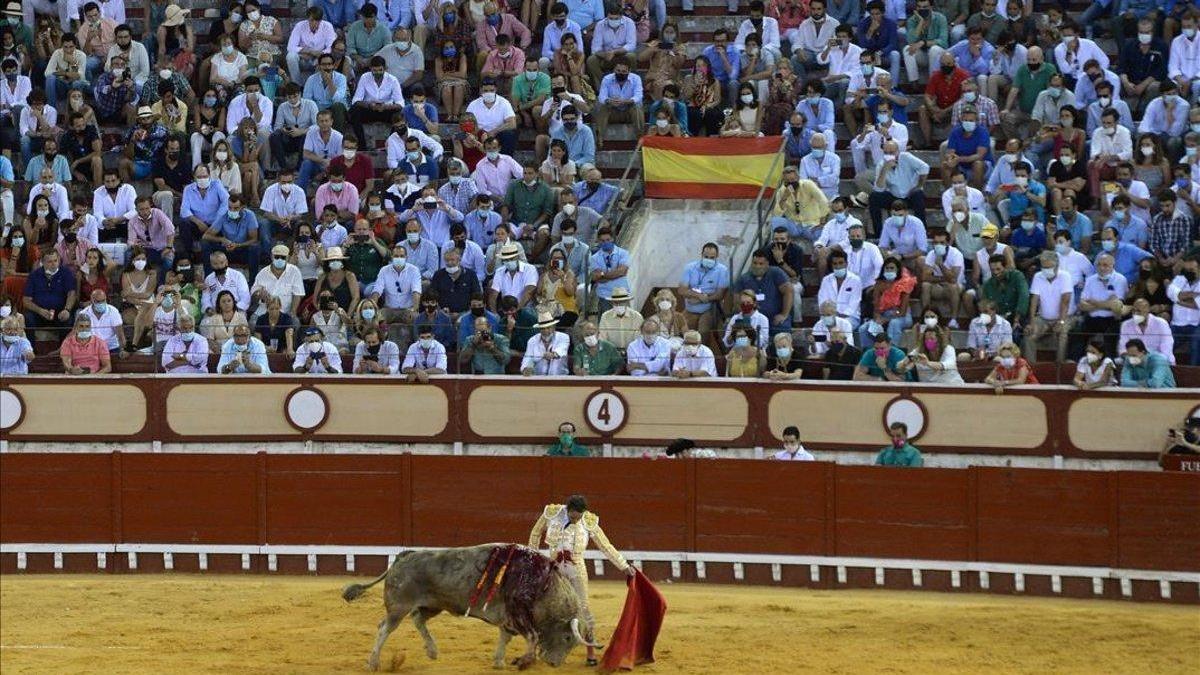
710,168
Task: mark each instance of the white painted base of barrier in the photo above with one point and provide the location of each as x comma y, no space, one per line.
676,559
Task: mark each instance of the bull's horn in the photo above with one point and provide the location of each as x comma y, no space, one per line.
579,637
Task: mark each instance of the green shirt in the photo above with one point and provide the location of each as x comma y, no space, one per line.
937,31
365,262
488,362
362,42
1010,292
526,204
1031,85
523,330
524,91
575,450
606,361
190,293
906,456
894,357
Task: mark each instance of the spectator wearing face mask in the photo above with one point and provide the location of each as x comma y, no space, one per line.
315,355
881,363
186,351
702,284
1184,292
594,356
650,353
1143,369
1153,331
1052,308
426,356
376,356
693,359
793,450
565,445
16,352
986,333
620,323
900,452
83,352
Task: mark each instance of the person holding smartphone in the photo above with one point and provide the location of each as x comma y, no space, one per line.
316,356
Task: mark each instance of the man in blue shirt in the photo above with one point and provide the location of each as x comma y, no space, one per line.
614,41
236,233
702,286
581,142
772,291
1130,228
584,12
466,321
1167,118
204,201
609,265
1145,369
328,89
881,363
16,352
725,61
243,354
877,35
619,99
594,193
1126,256
901,176
818,111
50,296
1024,193
1076,222
421,252
969,149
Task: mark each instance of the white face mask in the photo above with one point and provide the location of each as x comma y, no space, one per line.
960,216
489,97
590,340
747,98
1139,318
1008,361
985,319
569,209
349,155
620,310
139,265
202,183
254,15
221,155
931,321
664,305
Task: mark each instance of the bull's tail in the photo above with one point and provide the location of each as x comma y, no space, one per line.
353,592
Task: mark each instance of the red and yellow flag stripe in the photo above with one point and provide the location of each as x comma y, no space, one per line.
710,168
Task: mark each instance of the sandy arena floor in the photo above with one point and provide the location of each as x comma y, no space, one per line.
227,624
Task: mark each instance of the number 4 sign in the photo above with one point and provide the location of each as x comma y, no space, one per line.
605,412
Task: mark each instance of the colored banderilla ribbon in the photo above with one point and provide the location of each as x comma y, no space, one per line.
479,584
499,577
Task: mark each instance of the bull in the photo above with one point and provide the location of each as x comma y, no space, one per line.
529,597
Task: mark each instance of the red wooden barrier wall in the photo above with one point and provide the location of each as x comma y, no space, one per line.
1080,518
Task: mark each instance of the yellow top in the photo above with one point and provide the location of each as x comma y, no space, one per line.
563,535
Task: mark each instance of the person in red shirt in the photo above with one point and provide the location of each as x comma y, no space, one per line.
360,170
82,352
942,92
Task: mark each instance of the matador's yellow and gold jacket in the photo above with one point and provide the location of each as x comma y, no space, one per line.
563,535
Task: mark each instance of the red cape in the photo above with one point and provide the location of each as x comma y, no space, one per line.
633,641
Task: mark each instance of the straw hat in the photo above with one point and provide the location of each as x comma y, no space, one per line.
13,8
174,15
279,249
545,320
510,251
145,111
620,295
333,253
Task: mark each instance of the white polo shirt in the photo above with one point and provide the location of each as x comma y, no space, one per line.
1051,292
513,283
954,258
490,118
106,325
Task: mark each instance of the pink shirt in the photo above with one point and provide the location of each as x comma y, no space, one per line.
346,200
513,63
157,233
493,178
485,35
92,354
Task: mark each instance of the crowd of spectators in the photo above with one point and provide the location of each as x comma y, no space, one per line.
418,187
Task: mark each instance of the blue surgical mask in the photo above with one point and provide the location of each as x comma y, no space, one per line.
939,249
889,275
83,334
607,246
742,341
968,126
210,101
399,263
168,303
99,307
279,263
1108,245
883,118
708,263
234,215
818,154
1062,249
840,272
368,313
840,216
783,352
188,336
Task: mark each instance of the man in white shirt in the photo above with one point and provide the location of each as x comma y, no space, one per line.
829,322
1072,261
397,289
942,277
185,352
425,357
693,358
283,202
1051,307
792,449
316,356
113,202
842,58
252,103
835,232
822,166
106,322
1184,292
843,288
960,190
871,138
650,354
495,115
864,258
376,356
280,279
1101,304
309,40
766,28
1111,143
401,132
548,352
517,278
376,98
755,320
1073,52
223,279
1152,330
1183,64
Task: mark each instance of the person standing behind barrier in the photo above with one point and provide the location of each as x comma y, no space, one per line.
565,445
793,450
703,285
900,452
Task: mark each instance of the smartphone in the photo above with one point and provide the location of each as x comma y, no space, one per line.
820,338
